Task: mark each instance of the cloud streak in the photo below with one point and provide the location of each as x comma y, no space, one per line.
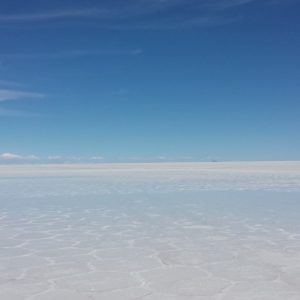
109,10
223,4
9,83
16,158
11,157
52,15
15,95
9,95
173,23
71,54
4,112
140,14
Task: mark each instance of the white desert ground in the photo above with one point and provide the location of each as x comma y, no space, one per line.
172,231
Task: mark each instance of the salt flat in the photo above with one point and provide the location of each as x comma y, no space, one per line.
213,231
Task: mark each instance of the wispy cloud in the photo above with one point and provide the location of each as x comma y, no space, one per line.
223,4
141,14
9,95
6,112
50,15
12,157
10,83
77,159
97,158
71,54
17,158
54,157
106,10
173,23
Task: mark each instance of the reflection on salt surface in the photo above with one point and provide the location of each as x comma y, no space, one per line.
190,235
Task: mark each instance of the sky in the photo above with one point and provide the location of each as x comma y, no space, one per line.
149,80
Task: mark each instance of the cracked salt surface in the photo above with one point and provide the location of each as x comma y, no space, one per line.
219,231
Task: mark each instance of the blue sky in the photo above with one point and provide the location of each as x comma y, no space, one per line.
149,80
